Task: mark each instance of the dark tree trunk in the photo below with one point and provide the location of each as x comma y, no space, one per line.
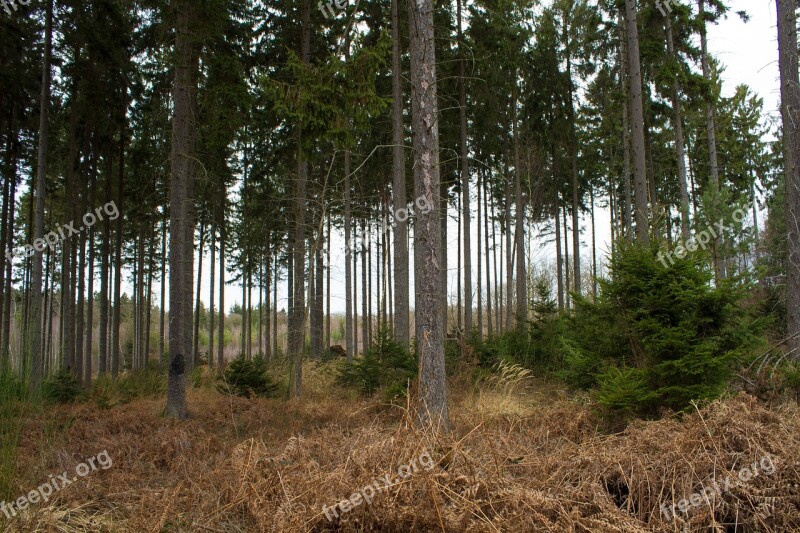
637,118
428,239
790,109
181,227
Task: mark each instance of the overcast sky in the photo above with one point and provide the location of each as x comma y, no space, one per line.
747,50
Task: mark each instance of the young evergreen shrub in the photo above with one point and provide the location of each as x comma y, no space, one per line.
61,387
387,366
245,377
658,335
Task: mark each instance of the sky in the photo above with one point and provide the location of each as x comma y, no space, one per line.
749,54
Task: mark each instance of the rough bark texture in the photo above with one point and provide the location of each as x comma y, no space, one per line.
427,238
790,110
637,123
181,227
401,298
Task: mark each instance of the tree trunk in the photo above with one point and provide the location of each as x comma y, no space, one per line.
790,109
637,117
677,125
212,265
221,333
196,336
181,226
519,231
33,352
162,319
626,135
427,242
719,272
401,276
489,324
462,104
298,312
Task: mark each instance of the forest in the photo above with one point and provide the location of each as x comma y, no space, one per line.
399,265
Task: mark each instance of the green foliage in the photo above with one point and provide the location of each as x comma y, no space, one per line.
148,382
61,387
658,335
387,366
245,377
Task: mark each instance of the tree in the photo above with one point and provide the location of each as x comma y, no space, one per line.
637,123
401,325
35,352
181,213
427,238
790,111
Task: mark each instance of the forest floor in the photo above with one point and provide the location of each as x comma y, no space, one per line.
519,458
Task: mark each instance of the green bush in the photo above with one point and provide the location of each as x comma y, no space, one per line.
386,366
245,377
658,335
61,387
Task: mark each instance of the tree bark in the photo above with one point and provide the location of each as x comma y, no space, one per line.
181,227
719,272
637,118
298,313
790,110
34,352
427,243
462,104
677,126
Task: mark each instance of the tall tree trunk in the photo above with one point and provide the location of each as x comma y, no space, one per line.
573,156
462,104
637,126
790,109
87,365
626,133
105,251
298,314
161,327
677,126
34,348
365,297
196,336
497,294
486,251
719,271
427,242
327,292
479,223
519,231
212,265
7,318
181,226
559,257
350,254
117,342
401,276
221,332
509,310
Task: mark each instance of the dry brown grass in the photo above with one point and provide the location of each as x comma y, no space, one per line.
537,463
